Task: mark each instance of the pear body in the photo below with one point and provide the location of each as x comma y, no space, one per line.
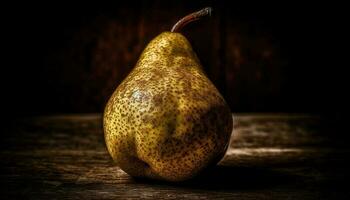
166,120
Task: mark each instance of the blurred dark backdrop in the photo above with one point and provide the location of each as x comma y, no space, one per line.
65,58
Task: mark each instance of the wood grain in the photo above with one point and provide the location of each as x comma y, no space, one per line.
270,157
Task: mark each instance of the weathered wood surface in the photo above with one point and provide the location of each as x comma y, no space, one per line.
270,157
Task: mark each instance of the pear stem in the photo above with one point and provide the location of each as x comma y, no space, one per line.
190,18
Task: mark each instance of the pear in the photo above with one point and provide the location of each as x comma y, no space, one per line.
167,120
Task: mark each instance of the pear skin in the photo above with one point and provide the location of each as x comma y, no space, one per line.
167,120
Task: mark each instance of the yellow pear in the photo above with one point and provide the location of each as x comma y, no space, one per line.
167,120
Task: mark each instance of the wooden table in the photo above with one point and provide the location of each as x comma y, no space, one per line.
270,157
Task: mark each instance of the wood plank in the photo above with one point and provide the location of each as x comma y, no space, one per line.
270,157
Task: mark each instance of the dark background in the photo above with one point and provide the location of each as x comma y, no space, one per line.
65,58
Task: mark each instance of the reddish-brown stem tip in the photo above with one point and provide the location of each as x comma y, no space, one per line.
190,18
